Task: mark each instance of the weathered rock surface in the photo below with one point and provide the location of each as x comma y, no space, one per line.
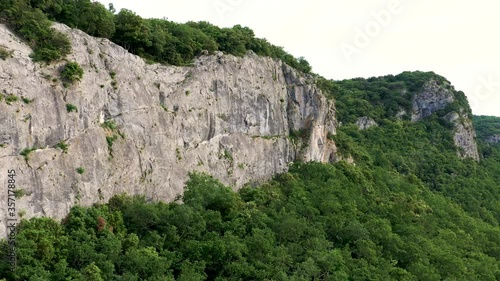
432,98
365,122
227,116
494,139
464,135
436,97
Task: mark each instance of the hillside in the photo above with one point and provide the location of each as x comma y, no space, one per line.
165,151
487,128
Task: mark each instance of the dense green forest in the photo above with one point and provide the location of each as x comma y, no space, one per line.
317,222
156,40
486,126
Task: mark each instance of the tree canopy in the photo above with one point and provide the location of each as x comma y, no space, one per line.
156,40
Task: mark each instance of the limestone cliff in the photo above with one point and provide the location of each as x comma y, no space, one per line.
140,128
434,97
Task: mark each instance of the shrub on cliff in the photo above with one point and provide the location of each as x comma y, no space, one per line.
72,72
33,26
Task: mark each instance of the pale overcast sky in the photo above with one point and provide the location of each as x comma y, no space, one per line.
459,40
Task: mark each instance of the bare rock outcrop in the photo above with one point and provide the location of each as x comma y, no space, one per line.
365,122
493,139
464,135
434,97
431,98
142,128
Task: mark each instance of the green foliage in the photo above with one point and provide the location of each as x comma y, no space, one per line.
72,72
63,146
80,170
486,126
9,99
109,124
18,193
113,134
26,152
26,100
33,26
317,222
110,140
156,40
384,98
4,53
71,108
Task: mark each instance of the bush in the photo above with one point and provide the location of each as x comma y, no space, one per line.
80,170
72,72
26,152
63,146
71,107
4,53
11,98
27,100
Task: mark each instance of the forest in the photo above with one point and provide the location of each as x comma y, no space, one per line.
156,40
316,222
408,209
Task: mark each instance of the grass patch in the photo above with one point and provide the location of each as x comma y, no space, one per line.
26,152
110,140
109,124
4,53
18,193
72,72
71,107
11,98
63,146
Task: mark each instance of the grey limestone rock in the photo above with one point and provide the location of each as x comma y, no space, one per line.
365,122
140,128
436,97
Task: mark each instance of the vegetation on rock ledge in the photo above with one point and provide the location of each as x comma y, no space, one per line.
157,40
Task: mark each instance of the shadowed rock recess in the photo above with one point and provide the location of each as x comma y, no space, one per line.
140,128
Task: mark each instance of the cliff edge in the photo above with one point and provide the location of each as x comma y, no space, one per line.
140,128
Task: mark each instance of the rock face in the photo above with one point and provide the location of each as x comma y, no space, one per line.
494,139
434,97
464,136
142,128
365,122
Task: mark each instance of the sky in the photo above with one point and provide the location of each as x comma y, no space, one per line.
457,39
